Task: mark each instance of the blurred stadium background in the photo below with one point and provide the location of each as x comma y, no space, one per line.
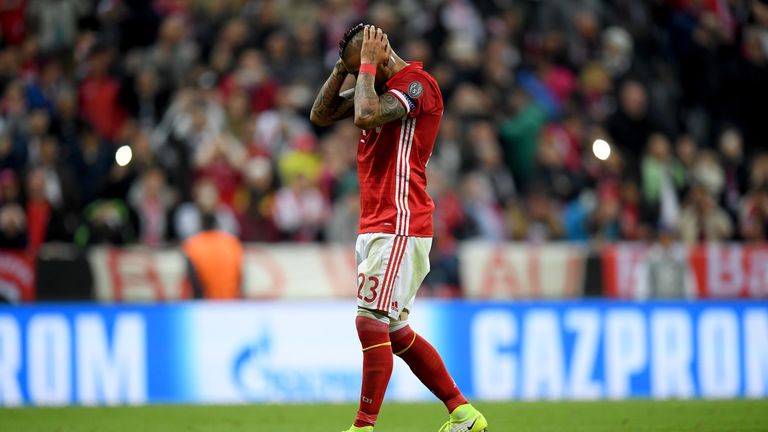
604,161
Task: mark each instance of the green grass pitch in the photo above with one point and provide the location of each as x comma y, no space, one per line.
699,416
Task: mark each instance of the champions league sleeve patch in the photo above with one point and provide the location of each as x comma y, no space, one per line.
415,89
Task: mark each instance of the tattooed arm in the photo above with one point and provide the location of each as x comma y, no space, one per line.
372,110
330,105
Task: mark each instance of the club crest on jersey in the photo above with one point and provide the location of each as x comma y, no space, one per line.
415,89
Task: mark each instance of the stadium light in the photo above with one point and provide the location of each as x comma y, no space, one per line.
601,149
123,156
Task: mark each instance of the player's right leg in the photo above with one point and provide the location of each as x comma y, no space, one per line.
378,361
378,261
377,368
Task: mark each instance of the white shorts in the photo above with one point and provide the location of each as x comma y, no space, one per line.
390,269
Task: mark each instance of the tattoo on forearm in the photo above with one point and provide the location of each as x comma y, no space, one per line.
376,110
391,108
366,99
329,105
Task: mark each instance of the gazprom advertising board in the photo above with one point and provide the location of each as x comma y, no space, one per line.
308,351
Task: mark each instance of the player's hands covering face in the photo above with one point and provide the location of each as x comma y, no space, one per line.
375,47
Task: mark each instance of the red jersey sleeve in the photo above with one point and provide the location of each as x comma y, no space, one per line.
414,91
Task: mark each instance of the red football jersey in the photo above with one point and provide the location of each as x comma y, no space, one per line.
392,159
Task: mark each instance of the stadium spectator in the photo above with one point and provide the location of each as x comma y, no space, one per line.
9,187
56,22
256,201
174,53
13,224
663,179
13,154
708,172
345,214
36,129
686,150
66,124
300,208
605,224
665,272
15,110
482,208
280,126
151,200
253,77
206,200
307,59
575,217
758,175
99,94
541,217
106,222
702,219
632,124
139,141
61,188
551,172
338,160
489,161
449,149
13,26
520,135
92,160
596,91
753,218
734,170
631,222
189,121
214,262
144,98
220,159
46,219
238,114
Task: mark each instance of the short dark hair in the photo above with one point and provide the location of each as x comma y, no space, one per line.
348,36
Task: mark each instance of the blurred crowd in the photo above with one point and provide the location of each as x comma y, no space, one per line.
212,99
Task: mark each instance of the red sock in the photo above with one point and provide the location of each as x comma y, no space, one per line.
377,368
427,365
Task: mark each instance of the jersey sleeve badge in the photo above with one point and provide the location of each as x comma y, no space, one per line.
415,89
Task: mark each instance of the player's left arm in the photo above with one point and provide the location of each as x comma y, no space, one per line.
331,105
372,110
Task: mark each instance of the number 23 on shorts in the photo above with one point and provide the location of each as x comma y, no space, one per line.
373,286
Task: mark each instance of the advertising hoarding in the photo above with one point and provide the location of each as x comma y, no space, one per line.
308,351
